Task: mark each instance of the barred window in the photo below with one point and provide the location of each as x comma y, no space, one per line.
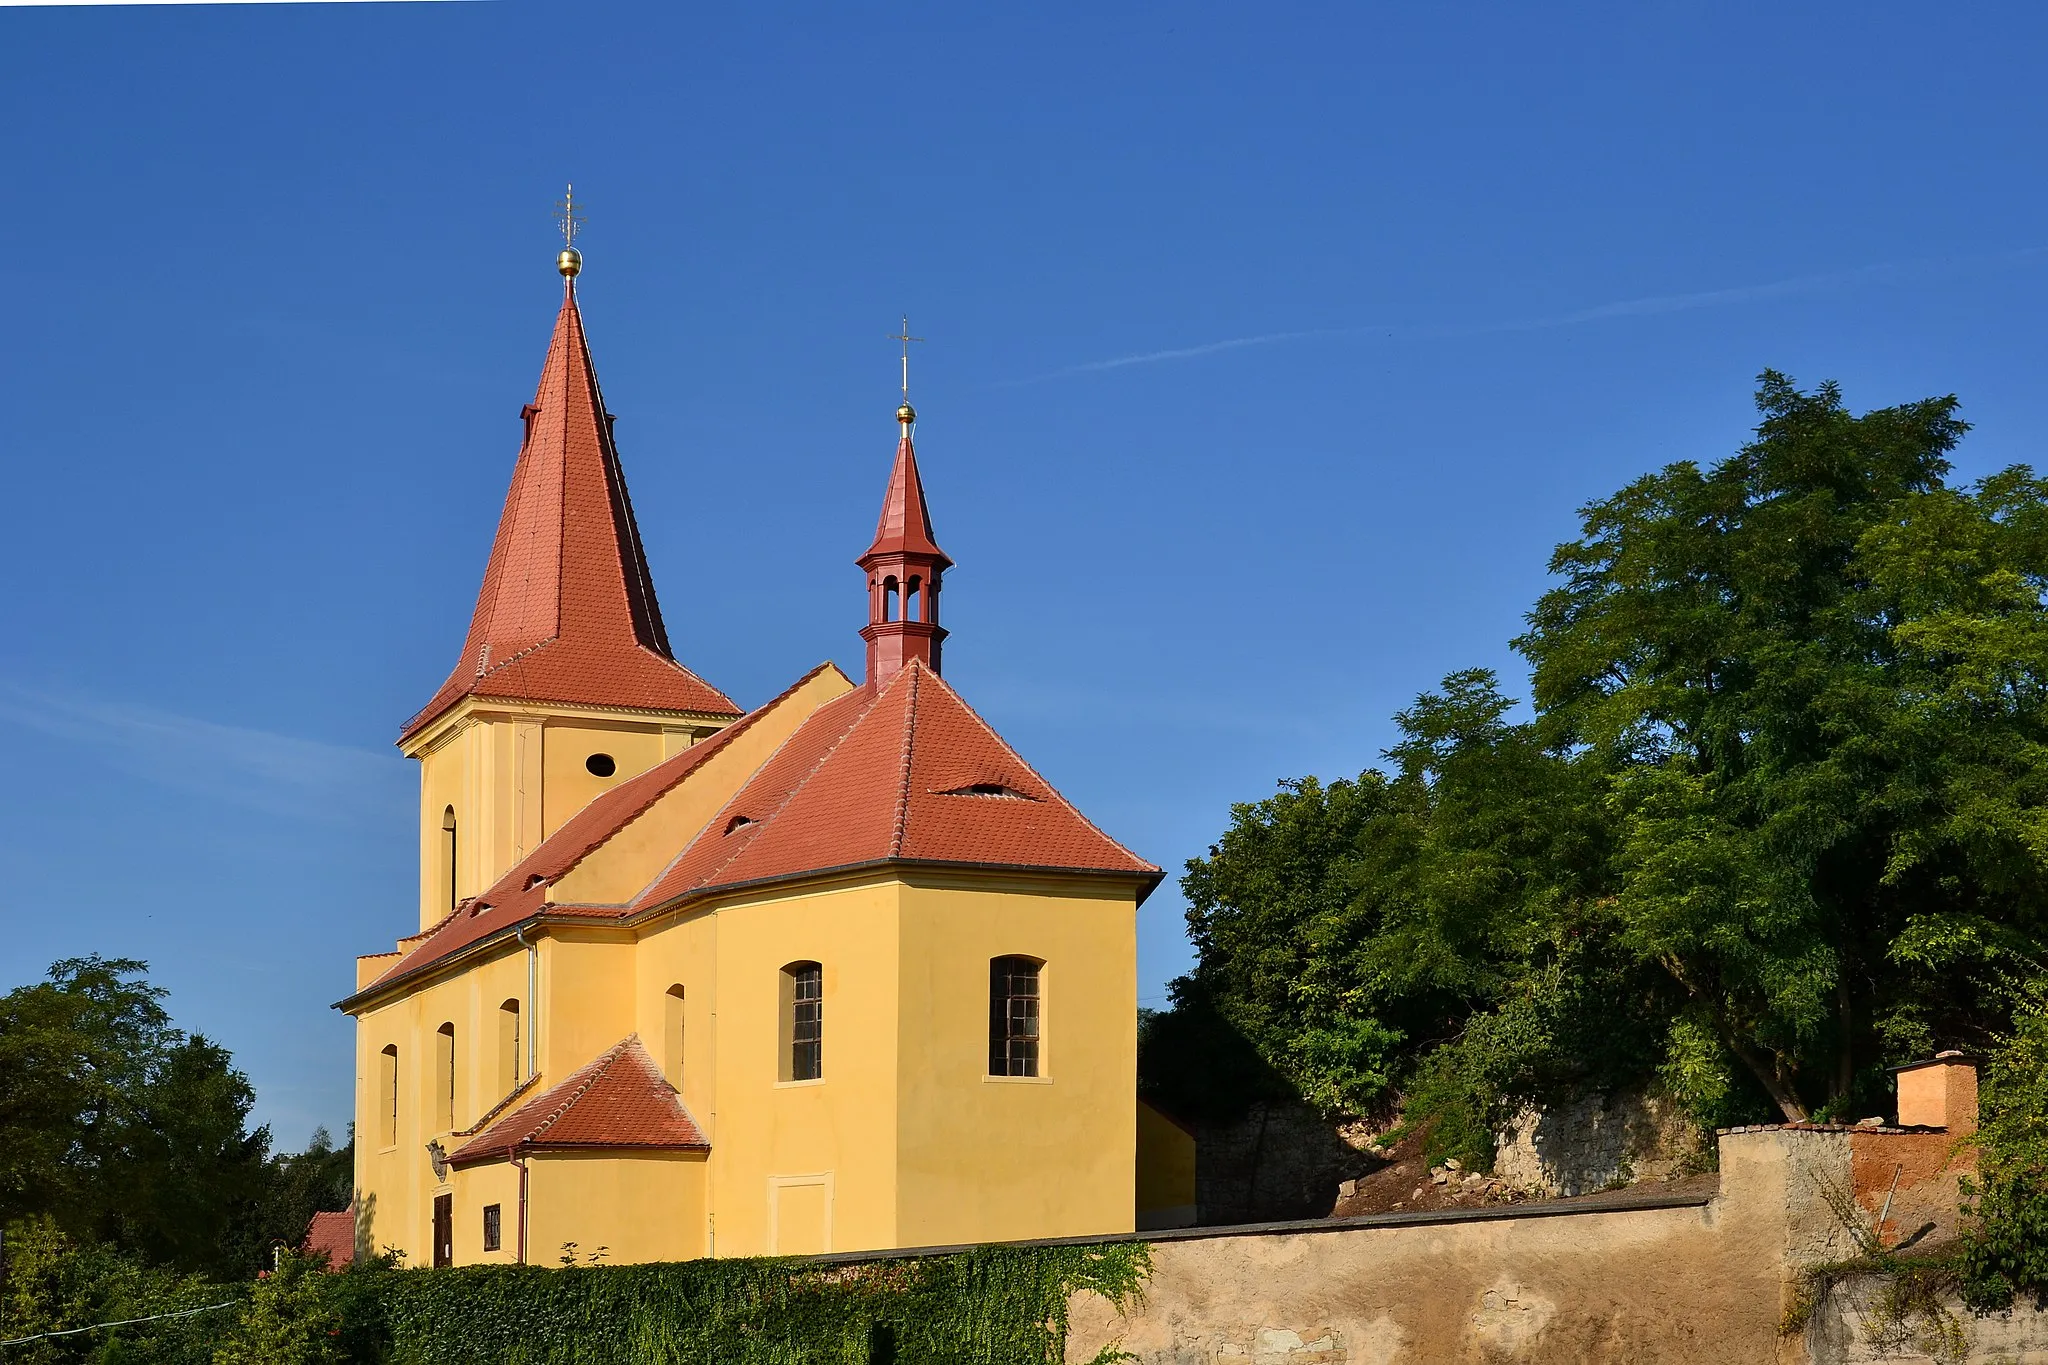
493,1228
1013,1016
803,1021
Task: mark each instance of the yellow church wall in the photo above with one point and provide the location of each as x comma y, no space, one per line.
567,784
632,858
644,1207
514,773
1166,1171
586,997
680,953
394,1181
992,1158
494,1182
820,1153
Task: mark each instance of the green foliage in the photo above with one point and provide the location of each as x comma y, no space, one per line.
990,1306
129,1132
118,1125
2005,1255
54,1284
1778,818
292,1318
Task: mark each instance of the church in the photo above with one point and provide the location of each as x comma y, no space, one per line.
839,973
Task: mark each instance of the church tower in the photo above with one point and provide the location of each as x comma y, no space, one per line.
903,566
566,684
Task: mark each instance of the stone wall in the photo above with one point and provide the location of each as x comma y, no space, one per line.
1278,1161
1596,1142
1852,1326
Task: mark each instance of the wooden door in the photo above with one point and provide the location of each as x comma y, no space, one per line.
444,1229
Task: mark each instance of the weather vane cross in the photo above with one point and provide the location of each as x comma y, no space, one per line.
567,217
906,338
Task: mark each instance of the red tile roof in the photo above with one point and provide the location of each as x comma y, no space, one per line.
522,892
907,773
905,526
567,612
618,1101
334,1234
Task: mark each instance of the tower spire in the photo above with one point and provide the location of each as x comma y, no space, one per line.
567,611
904,564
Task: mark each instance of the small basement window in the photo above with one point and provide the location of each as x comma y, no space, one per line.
601,765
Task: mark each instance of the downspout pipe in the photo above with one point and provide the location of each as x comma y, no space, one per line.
513,1154
532,990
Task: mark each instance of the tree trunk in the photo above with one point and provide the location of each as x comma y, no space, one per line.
1766,1071
1845,1060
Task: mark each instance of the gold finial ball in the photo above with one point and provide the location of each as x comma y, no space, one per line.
906,414
570,262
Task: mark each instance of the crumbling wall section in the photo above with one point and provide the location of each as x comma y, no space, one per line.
1596,1142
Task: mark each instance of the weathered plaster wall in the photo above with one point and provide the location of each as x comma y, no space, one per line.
1684,1284
1606,1278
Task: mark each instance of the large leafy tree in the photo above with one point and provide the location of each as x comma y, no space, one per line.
119,1126
1812,678
1780,814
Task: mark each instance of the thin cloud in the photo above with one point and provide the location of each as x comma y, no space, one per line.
1648,306
281,774
1184,352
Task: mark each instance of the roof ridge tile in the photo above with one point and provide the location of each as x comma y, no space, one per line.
902,821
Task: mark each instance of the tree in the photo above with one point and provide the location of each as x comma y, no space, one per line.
1812,679
1779,817
119,1126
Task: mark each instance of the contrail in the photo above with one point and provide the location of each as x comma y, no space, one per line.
1648,306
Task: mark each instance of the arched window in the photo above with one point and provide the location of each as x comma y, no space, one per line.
913,599
444,1077
387,1095
1013,1019
803,1021
672,1036
508,1046
448,854
889,598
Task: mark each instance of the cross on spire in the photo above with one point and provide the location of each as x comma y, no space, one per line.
906,338
567,219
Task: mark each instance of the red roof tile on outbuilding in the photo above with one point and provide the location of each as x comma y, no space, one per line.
333,1234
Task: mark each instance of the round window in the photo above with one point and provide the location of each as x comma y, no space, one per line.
601,765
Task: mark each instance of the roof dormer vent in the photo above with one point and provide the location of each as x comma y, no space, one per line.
995,790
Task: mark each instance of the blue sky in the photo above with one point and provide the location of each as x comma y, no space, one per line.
1271,348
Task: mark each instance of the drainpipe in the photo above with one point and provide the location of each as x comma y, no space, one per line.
532,1010
512,1153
